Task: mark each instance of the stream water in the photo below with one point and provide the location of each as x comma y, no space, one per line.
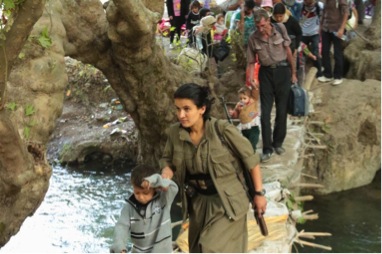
81,207
353,218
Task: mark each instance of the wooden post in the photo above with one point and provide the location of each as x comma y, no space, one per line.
310,76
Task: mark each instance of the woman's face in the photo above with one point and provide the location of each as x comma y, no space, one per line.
188,113
278,17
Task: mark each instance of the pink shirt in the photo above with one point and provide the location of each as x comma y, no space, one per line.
176,7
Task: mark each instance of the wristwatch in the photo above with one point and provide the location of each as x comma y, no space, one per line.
260,193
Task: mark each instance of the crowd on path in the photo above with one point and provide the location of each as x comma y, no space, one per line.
311,29
205,158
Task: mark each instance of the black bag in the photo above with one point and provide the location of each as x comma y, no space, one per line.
221,50
298,103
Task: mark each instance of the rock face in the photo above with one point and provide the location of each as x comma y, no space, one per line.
347,120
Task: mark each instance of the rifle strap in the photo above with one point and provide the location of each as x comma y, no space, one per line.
244,176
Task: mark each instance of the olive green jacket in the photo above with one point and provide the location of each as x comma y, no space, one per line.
222,165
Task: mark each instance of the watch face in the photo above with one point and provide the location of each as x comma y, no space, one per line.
261,193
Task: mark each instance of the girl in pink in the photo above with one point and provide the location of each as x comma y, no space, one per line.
247,110
220,30
177,12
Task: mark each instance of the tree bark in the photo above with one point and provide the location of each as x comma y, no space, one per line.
136,67
121,43
24,175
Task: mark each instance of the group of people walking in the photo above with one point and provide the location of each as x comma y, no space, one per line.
204,156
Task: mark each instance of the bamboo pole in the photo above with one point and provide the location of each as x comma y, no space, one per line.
317,146
304,198
315,234
310,77
316,122
309,176
314,245
307,185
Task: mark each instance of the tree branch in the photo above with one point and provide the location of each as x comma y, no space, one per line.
27,15
136,14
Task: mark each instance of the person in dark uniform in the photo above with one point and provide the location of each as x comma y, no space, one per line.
270,44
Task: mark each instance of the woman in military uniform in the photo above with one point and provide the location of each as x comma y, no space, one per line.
214,199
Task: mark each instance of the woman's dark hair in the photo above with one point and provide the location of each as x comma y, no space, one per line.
279,8
140,172
200,95
249,4
203,12
195,4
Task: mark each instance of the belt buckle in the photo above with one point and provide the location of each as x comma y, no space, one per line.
202,184
273,66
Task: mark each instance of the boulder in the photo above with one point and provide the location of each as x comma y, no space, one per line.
346,130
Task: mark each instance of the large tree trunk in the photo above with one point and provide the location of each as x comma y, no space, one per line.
364,52
136,67
24,173
121,43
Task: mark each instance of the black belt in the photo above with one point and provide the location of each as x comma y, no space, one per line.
282,63
202,183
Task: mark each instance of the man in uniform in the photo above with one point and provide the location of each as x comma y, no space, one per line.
270,45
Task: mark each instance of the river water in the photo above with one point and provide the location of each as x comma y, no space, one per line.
81,207
353,218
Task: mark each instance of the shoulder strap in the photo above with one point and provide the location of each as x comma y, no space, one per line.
245,177
278,28
217,129
222,139
318,10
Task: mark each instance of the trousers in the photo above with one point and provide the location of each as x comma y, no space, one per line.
176,27
252,135
275,86
328,39
313,41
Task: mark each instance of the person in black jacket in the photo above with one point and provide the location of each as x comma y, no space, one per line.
193,19
177,12
291,24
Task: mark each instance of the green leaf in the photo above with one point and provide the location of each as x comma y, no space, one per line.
8,4
29,110
12,106
44,39
21,55
27,132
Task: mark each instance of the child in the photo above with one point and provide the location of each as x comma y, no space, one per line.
193,19
177,11
145,218
220,30
247,110
268,6
202,34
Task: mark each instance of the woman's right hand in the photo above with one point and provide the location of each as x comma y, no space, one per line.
167,173
260,203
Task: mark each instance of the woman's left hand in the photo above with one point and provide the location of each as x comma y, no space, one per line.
260,203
